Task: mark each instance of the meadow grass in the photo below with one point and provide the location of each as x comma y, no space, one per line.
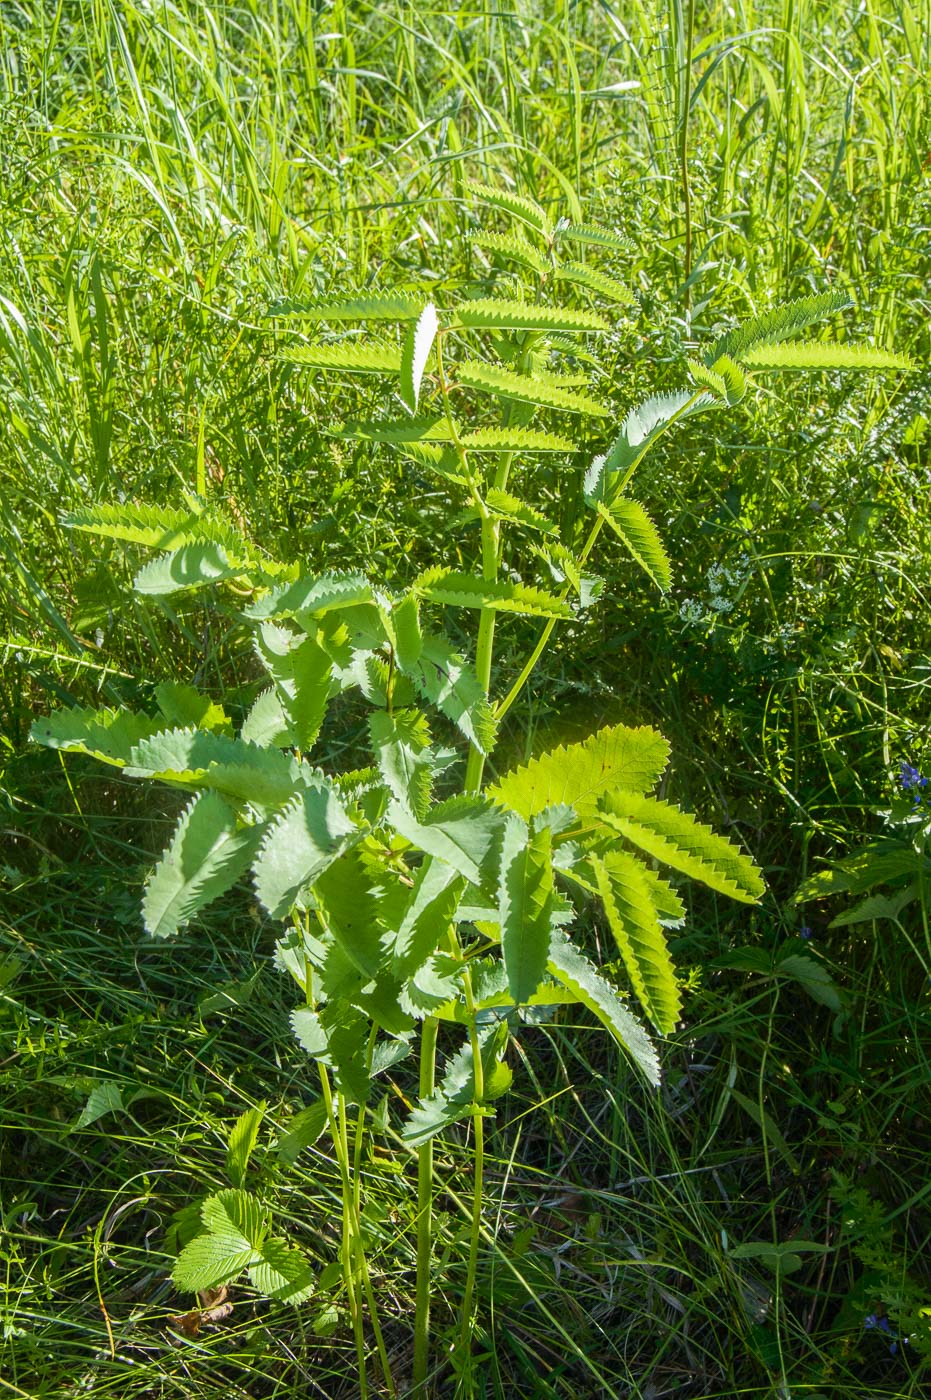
169,170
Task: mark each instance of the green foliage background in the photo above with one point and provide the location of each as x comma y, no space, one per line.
168,171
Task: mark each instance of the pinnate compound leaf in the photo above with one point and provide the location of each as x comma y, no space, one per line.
781,323
513,246
526,388
449,683
389,306
240,771
515,440
109,735
518,206
593,281
314,594
191,566
206,857
823,355
639,431
625,893
583,979
354,358
676,838
464,831
401,742
579,775
633,526
454,589
507,507
311,833
595,234
525,905
426,429
158,527
417,347
243,1137
281,1272
301,671
487,314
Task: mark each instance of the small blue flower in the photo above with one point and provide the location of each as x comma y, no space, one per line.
910,777
805,932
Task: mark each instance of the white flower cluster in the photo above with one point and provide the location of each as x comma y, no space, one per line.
724,580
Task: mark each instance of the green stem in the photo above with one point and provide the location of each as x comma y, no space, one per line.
478,1161
357,1241
428,1039
352,1298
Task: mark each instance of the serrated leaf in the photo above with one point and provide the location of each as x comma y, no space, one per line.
581,276
105,1097
417,346
526,388
595,234
454,589
875,864
206,856
301,671
583,979
513,246
518,206
823,355
877,906
525,905
240,771
507,507
676,838
191,566
401,743
236,1217
447,681
625,893
488,314
636,530
405,618
183,705
579,775
351,359
639,431
314,594
725,378
308,836
158,527
109,735
779,324
207,1262
454,1098
401,431
465,832
436,983
244,1135
266,724
305,1129
426,920
348,897
281,1272
515,439
387,306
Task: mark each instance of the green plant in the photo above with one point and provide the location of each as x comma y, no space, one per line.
415,893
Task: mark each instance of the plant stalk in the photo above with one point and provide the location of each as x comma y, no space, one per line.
428,1039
